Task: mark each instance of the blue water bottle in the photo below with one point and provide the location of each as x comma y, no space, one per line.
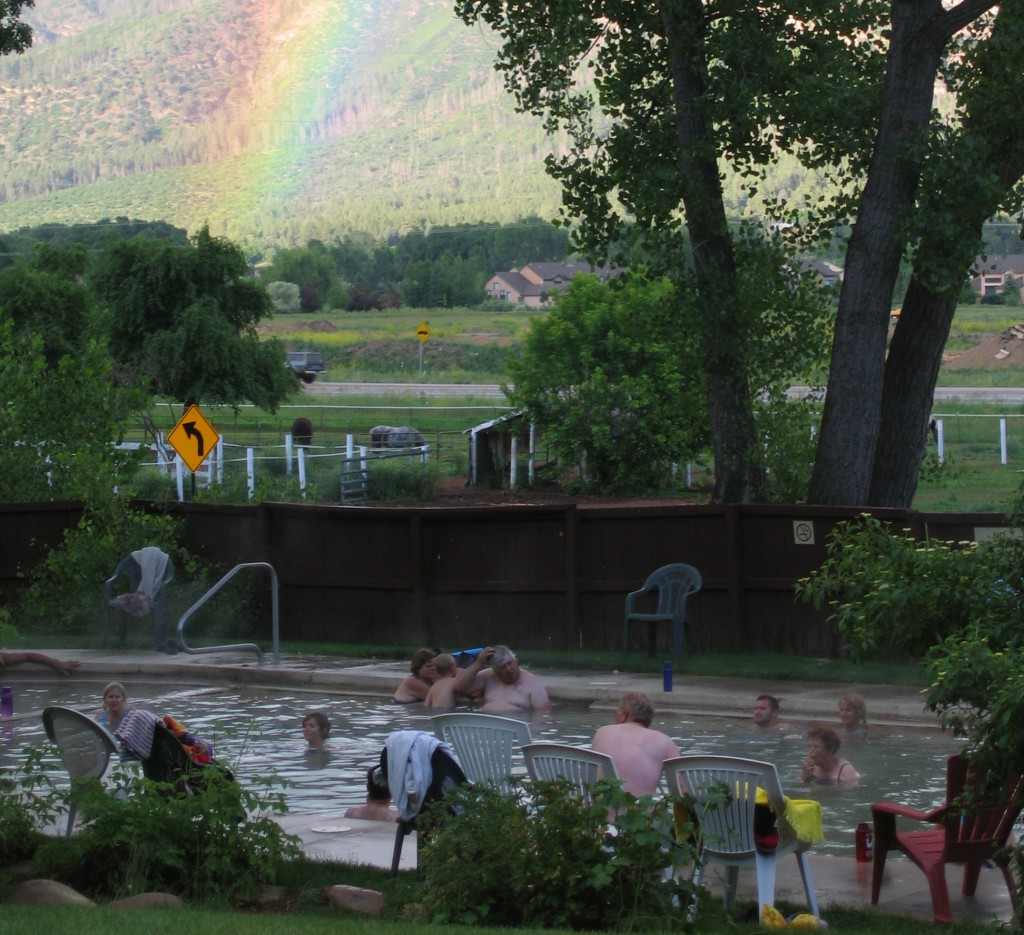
666,675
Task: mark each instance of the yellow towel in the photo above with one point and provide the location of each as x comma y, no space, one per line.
803,815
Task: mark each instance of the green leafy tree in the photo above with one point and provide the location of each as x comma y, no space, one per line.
184,319
652,97
284,296
1011,290
608,374
43,298
15,36
60,420
310,268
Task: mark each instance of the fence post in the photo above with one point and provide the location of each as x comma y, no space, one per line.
514,456
288,455
250,471
1002,441
531,465
940,440
179,477
302,470
220,460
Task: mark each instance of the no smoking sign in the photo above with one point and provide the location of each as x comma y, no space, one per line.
803,532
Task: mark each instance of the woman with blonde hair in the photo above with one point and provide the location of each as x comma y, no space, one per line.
853,712
115,703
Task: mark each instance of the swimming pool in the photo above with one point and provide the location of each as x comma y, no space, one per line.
256,731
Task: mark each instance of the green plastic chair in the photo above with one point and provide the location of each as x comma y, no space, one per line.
674,584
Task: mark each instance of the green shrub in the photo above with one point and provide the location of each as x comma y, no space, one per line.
550,860
203,846
29,802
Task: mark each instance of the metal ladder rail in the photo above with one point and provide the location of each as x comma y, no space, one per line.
276,619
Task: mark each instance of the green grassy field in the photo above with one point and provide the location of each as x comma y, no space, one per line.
471,346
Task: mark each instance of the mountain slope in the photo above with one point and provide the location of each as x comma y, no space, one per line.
273,122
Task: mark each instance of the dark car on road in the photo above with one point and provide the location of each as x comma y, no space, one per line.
305,364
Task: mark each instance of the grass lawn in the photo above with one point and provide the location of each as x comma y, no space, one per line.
22,920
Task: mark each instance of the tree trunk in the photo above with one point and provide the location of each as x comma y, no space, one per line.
989,161
911,370
738,476
853,402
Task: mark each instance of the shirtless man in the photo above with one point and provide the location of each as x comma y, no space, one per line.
637,749
766,712
505,686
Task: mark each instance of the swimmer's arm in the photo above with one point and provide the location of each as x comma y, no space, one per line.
473,679
63,666
539,699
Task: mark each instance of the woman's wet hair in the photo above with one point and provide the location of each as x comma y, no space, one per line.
321,721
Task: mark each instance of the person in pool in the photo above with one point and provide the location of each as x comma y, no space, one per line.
637,749
115,703
506,686
378,800
766,713
416,685
316,728
853,713
823,763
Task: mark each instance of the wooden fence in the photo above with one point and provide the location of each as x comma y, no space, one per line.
532,577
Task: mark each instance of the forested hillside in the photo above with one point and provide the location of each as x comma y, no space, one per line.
275,122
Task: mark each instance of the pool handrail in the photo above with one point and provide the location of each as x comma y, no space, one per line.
276,626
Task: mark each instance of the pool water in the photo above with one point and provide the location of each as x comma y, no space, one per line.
258,732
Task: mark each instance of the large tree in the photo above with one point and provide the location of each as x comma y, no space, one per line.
687,84
918,44
654,96
184,319
965,183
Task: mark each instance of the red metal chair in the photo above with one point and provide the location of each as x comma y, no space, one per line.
965,832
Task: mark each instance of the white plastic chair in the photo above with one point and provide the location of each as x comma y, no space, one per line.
484,744
85,747
549,762
727,828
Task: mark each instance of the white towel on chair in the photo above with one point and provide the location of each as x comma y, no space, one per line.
409,769
152,564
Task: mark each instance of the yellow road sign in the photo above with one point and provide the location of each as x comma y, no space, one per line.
423,332
193,438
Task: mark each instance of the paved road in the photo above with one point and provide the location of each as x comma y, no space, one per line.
429,390
1004,395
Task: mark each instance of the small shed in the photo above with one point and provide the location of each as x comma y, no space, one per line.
494,449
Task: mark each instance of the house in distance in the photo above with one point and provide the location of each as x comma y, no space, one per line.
533,284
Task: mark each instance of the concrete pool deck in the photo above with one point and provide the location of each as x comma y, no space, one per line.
838,881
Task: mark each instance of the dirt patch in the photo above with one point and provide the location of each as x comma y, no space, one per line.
453,491
992,352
